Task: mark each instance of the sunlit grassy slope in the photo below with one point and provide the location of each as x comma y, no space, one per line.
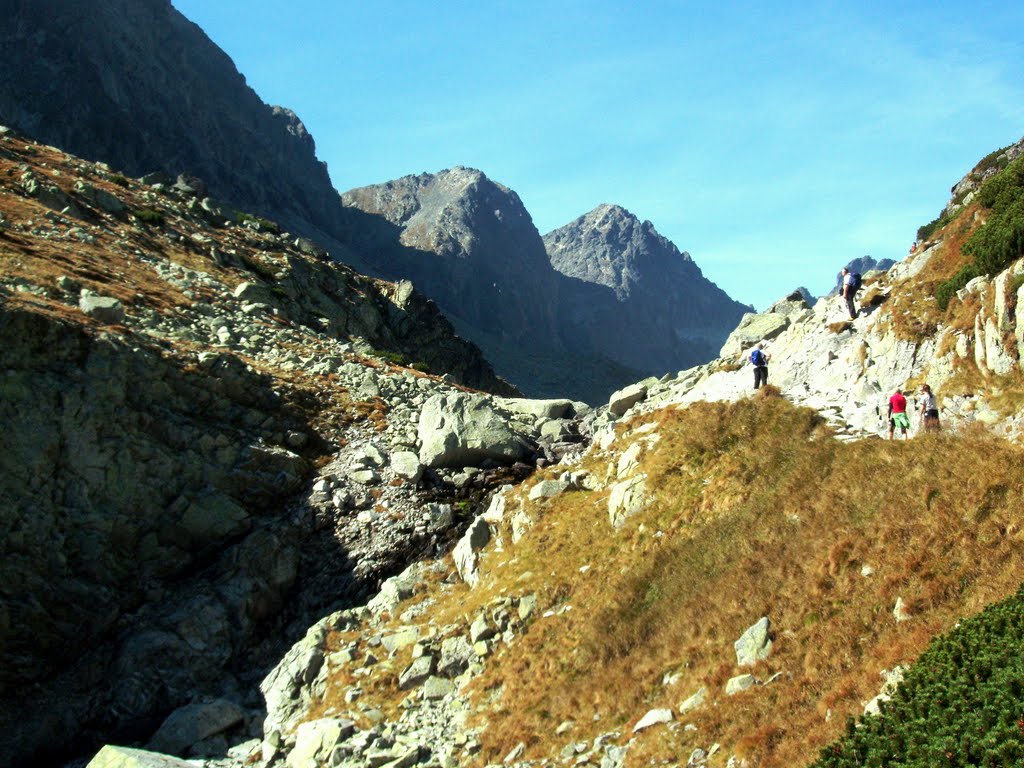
756,512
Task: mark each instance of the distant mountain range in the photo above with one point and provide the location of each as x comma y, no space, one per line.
592,306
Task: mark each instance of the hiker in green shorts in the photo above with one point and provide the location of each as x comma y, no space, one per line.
898,414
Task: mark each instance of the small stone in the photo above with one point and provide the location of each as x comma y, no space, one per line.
654,717
545,489
527,607
365,476
694,701
754,645
900,612
480,629
103,309
516,753
739,684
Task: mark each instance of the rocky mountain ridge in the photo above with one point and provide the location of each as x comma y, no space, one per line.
135,84
497,644
471,244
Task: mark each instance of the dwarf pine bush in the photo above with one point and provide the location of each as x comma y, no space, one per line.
1000,241
961,703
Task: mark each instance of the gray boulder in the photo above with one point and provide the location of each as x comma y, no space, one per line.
316,740
626,398
460,430
538,409
626,499
465,552
754,645
103,309
654,717
189,725
739,684
752,329
416,673
287,689
456,655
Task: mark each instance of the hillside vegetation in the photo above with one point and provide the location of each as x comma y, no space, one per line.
960,704
755,511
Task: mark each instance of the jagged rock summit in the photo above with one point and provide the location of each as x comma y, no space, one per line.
662,314
469,243
610,246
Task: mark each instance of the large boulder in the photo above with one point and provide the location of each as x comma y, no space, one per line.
752,329
459,430
191,724
755,644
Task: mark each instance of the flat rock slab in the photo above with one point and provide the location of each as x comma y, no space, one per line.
624,399
123,757
654,717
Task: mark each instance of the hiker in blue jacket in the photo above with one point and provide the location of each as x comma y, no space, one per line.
759,359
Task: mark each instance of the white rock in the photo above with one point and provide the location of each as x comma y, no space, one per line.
739,684
465,552
899,611
626,499
654,717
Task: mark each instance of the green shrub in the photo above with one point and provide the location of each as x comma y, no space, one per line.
421,367
994,159
927,230
395,358
961,703
1000,241
120,180
149,216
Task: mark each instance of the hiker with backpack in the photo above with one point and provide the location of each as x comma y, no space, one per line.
898,414
850,286
929,410
759,359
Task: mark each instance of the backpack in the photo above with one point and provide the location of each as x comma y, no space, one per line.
855,282
757,358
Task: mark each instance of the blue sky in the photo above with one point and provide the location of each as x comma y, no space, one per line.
773,141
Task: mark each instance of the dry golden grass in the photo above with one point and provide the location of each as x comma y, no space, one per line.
754,513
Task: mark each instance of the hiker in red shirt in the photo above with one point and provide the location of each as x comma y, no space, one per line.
898,413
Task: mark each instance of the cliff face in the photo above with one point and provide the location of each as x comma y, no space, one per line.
135,84
658,312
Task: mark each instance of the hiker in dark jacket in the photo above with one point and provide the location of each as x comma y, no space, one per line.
759,359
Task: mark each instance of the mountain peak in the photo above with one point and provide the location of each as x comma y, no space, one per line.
611,246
